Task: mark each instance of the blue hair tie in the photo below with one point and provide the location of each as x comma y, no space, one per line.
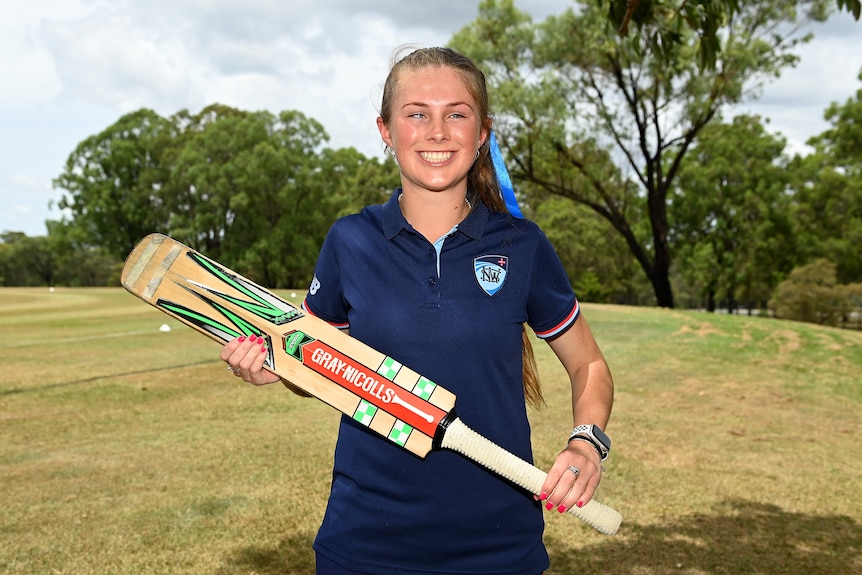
506,189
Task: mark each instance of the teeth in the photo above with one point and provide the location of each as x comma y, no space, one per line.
436,157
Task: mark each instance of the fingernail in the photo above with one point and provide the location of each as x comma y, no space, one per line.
561,508
580,503
549,506
242,339
263,349
543,496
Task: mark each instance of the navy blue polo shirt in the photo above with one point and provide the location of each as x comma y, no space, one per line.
454,316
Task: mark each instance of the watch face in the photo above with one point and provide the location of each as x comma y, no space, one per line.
602,436
596,435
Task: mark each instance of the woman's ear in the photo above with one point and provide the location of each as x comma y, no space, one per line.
485,133
384,132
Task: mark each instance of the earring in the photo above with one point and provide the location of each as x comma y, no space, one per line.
478,151
389,151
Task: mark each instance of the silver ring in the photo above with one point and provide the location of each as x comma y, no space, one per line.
229,368
574,470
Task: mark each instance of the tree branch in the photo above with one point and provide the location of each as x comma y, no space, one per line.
631,6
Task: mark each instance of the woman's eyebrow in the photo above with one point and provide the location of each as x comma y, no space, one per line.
426,105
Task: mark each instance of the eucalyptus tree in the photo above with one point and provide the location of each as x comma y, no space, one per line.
828,191
599,264
584,114
280,208
205,175
661,22
113,182
733,227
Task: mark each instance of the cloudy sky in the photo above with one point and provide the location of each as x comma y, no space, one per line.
71,68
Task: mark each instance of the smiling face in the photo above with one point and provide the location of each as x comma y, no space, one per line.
434,128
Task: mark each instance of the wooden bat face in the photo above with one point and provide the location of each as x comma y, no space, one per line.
368,386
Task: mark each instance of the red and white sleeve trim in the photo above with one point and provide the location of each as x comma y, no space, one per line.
563,325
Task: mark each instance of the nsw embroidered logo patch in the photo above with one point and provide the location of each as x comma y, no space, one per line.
491,272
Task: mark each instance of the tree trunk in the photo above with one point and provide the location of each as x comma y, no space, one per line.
662,288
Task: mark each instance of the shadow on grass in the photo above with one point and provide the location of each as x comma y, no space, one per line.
292,556
739,537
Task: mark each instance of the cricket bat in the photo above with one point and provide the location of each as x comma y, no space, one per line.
374,389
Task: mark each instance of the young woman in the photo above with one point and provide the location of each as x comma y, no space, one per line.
443,278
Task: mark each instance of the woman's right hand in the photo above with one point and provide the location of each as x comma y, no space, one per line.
245,356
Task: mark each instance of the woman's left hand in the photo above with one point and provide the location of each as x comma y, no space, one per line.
573,479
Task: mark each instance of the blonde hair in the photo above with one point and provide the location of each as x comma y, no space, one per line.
482,179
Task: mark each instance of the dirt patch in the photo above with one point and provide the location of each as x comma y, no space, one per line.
702,330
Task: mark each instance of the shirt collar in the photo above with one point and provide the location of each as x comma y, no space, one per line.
394,221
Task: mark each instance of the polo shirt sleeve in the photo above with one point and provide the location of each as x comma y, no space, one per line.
552,306
325,298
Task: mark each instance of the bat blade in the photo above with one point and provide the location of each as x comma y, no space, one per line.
374,389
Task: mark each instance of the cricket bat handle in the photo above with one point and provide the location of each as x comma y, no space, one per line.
460,438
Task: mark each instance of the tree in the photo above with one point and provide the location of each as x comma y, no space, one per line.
113,182
80,263
584,115
662,22
599,265
13,265
254,190
812,293
828,191
204,173
27,260
371,182
248,189
731,220
282,209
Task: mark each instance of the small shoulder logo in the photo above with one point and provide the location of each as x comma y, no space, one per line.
491,272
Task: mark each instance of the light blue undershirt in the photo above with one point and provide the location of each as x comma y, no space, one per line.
438,245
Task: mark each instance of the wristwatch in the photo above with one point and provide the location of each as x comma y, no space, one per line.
592,434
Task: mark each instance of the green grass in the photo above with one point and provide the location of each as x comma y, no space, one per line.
127,450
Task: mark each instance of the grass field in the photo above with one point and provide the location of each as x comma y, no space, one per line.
127,450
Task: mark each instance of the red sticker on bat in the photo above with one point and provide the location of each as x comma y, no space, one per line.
364,382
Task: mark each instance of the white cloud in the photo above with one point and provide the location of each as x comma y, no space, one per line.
26,67
827,72
28,183
105,57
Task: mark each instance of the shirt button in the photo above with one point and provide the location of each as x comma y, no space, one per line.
432,281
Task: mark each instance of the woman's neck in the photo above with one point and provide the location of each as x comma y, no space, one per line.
433,214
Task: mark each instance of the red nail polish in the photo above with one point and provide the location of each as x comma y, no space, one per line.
561,508
543,496
242,339
580,503
549,506
263,349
